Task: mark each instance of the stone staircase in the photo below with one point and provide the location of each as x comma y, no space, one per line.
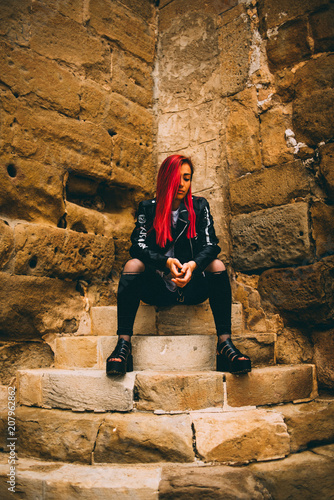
173,428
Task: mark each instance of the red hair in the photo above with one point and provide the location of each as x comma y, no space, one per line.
168,183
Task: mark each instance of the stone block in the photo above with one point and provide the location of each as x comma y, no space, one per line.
293,347
22,355
241,437
174,131
275,151
78,481
323,228
33,77
74,9
299,476
3,401
322,29
304,295
271,385
104,320
141,8
31,190
32,306
86,220
144,438
243,135
269,187
58,434
13,22
273,14
288,45
83,352
181,391
309,424
60,253
76,389
6,243
327,168
323,343
57,37
260,347
119,25
235,38
272,237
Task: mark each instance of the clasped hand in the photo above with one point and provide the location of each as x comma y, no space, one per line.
181,272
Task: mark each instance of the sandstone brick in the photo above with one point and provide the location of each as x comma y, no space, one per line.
269,187
178,391
234,43
83,352
31,190
57,37
288,45
143,437
94,102
327,168
54,252
323,347
274,123
74,9
323,228
104,320
141,8
309,423
273,13
243,135
271,237
37,78
23,355
121,26
13,23
240,437
260,347
133,163
293,347
86,220
76,389
302,294
32,307
322,29
173,131
271,385
6,243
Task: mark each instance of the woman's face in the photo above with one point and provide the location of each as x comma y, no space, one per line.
185,181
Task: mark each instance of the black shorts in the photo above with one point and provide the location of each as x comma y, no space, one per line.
155,292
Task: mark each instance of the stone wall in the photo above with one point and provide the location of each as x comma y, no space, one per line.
76,94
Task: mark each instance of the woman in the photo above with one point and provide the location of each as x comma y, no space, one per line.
174,260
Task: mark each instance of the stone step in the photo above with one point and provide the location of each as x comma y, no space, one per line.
176,320
306,475
92,390
189,352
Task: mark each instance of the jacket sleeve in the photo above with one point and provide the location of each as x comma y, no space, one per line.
139,248
207,245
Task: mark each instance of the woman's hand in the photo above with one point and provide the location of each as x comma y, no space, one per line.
186,273
175,266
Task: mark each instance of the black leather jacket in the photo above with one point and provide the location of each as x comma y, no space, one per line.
203,249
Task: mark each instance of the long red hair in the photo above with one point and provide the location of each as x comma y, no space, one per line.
168,183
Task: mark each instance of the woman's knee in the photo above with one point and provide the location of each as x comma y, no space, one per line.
216,266
134,266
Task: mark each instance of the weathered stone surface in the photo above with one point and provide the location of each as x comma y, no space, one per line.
76,389
32,306
322,30
104,320
178,391
58,434
288,44
269,187
239,437
210,482
46,251
32,191
74,481
13,21
39,79
86,220
309,424
83,352
303,294
120,25
293,347
274,123
327,168
260,347
74,9
323,228
141,8
300,476
243,134
323,342
272,237
6,243
274,14
23,355
143,437
234,43
271,385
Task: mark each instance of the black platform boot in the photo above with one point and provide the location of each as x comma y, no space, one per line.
122,352
228,359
